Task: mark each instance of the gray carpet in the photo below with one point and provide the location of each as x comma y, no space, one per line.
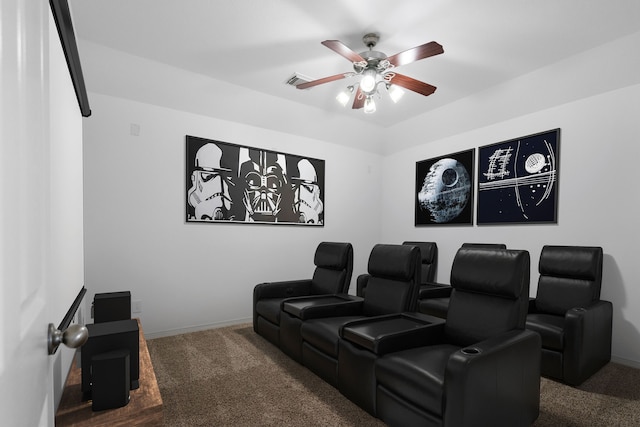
232,377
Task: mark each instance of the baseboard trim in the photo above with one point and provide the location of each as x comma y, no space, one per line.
197,328
626,362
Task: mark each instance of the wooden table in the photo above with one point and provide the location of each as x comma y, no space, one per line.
143,409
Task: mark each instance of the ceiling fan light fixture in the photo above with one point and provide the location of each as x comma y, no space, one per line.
368,82
375,68
344,96
395,93
369,105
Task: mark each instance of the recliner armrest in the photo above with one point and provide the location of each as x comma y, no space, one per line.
318,306
587,335
502,368
393,332
434,290
361,283
283,289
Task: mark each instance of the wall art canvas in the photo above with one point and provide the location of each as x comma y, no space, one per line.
444,190
518,180
230,183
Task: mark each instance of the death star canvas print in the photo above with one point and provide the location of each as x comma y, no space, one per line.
444,190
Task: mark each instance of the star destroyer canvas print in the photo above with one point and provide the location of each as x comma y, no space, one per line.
518,180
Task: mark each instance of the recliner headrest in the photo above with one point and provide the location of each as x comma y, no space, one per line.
575,262
332,255
502,272
396,262
428,250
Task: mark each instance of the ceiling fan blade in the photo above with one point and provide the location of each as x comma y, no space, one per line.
324,80
412,84
358,99
341,49
419,52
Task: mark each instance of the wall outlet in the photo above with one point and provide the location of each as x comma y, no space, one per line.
136,306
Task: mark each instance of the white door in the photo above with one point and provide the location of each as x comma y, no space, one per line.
31,294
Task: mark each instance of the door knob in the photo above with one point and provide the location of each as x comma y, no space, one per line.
73,337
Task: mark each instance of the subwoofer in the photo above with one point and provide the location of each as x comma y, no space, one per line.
110,336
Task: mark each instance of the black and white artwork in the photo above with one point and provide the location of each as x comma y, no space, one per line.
518,180
234,183
444,190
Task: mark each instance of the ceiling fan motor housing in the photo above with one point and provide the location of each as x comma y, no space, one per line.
373,59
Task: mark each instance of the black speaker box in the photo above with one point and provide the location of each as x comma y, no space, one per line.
110,376
109,336
111,306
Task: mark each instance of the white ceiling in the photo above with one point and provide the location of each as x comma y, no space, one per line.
259,44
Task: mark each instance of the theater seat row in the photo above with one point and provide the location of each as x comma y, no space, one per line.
477,366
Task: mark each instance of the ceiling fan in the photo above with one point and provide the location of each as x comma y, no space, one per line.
377,68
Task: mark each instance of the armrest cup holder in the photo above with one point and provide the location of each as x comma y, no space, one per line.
470,351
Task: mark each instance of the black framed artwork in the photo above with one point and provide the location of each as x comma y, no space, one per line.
230,183
444,190
518,180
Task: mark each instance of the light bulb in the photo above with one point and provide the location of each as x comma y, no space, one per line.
368,82
395,93
369,105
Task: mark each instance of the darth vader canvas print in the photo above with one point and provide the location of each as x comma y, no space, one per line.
234,183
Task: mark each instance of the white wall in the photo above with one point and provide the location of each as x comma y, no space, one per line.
191,276
598,203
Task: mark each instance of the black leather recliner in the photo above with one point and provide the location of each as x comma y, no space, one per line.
434,299
392,288
334,267
480,367
574,323
428,267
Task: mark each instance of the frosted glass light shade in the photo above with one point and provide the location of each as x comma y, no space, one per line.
369,105
395,93
343,97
